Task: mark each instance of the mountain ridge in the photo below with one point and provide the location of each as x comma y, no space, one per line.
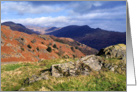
94,37
19,27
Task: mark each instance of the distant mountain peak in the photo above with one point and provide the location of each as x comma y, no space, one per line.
98,28
18,27
77,26
85,26
8,22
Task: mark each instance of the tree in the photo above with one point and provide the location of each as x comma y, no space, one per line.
72,48
37,48
22,39
49,49
42,42
29,46
76,47
22,49
54,46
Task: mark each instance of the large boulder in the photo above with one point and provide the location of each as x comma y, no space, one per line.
81,67
115,58
115,51
66,69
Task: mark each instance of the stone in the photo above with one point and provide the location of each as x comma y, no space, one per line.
112,69
40,60
35,78
22,89
60,70
8,44
82,67
93,62
33,41
114,51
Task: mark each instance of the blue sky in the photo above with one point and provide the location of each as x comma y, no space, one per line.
109,15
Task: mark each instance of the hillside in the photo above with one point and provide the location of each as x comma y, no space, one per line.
42,30
82,47
19,27
102,72
95,38
20,46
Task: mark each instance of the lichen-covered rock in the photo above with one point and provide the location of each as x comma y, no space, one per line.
81,67
115,51
34,78
66,69
91,61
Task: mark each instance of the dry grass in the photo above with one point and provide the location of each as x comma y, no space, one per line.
12,79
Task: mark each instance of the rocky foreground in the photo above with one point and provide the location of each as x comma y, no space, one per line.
112,58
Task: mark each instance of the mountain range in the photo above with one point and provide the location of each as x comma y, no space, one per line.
94,37
17,46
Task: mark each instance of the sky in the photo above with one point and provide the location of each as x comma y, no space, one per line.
108,15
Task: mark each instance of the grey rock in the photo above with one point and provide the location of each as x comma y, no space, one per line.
40,60
35,78
115,51
60,70
22,89
33,41
8,44
93,62
82,67
112,69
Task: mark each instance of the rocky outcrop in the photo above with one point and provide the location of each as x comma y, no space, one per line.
88,64
81,67
66,69
115,51
115,58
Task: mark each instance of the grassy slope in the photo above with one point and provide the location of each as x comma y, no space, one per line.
13,75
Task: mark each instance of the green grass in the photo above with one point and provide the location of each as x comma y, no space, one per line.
49,63
107,81
10,67
13,76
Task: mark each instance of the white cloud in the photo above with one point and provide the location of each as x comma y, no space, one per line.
25,7
77,15
87,19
